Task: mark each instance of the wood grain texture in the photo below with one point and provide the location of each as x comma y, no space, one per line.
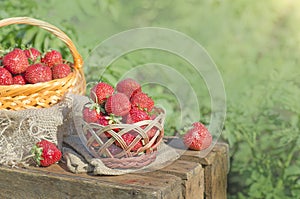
190,177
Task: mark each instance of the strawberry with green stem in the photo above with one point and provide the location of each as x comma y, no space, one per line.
46,153
32,54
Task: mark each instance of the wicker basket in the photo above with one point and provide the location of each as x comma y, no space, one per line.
99,139
45,94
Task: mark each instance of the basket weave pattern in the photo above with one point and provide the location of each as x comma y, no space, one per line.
45,94
98,139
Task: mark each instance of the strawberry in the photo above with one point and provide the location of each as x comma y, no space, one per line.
128,139
91,114
5,77
103,120
118,104
46,153
142,101
60,71
32,54
128,86
198,137
38,73
19,79
101,91
52,58
15,61
152,132
136,115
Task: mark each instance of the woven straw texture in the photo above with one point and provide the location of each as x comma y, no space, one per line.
101,141
45,94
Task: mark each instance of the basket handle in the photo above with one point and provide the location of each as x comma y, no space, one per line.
78,63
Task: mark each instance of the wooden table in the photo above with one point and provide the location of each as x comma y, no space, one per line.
190,177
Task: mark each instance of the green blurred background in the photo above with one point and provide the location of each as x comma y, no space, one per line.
255,45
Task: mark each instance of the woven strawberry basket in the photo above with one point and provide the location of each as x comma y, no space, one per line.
107,142
43,94
119,125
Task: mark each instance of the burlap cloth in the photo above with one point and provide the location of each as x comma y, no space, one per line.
20,130
79,160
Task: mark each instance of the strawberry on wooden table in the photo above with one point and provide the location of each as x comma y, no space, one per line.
46,153
198,137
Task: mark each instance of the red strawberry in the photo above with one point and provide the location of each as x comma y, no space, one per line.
198,137
32,54
90,115
128,139
5,77
103,120
136,115
101,91
52,58
128,87
118,104
60,71
38,73
15,61
142,101
19,79
46,153
152,132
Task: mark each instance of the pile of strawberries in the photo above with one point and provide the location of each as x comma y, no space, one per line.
126,103
30,66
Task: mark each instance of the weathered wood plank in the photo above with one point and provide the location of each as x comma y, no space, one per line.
54,182
192,176
215,166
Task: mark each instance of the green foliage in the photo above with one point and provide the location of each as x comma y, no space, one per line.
23,35
255,45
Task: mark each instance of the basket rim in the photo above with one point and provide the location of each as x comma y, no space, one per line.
77,59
